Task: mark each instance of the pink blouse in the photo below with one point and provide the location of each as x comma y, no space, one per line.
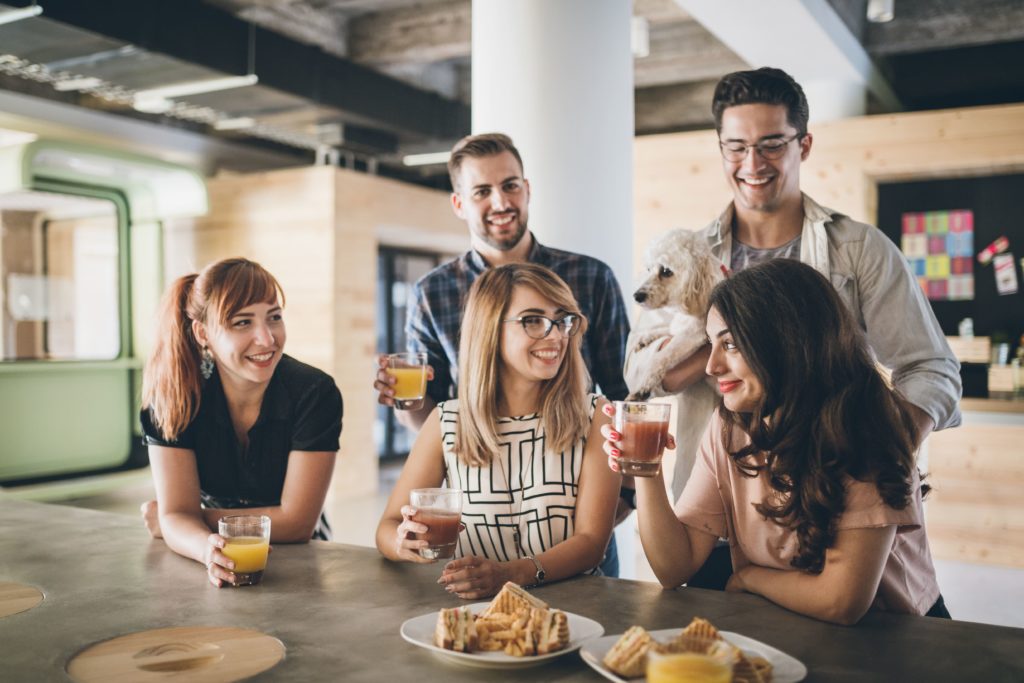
719,499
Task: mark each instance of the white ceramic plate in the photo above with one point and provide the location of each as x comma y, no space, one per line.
785,669
420,631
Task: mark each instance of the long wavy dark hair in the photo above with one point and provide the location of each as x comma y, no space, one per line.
827,413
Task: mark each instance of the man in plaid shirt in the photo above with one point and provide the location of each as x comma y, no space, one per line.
492,196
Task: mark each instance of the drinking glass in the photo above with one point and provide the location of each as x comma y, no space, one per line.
410,373
644,430
441,511
687,667
248,543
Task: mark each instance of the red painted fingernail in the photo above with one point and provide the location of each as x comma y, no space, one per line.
616,452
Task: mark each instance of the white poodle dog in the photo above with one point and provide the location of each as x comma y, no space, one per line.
681,272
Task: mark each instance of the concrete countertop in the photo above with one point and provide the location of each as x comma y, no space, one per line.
338,610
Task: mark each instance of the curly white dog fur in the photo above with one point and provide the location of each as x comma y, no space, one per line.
681,272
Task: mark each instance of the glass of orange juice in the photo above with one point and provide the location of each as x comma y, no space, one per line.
410,373
688,667
248,543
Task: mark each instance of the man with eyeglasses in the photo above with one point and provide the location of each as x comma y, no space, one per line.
761,118
491,194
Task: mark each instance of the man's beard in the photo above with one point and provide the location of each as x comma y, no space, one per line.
508,243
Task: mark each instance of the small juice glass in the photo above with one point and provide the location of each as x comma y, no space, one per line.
248,543
688,667
441,511
410,373
644,430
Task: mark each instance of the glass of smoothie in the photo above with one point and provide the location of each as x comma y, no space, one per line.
441,511
410,373
644,430
248,543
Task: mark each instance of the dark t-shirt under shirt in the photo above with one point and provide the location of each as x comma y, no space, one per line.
301,411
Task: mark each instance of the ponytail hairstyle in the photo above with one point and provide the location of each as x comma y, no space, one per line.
563,398
171,383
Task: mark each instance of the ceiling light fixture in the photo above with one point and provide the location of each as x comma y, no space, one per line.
881,11
198,87
235,123
640,37
19,14
426,159
77,83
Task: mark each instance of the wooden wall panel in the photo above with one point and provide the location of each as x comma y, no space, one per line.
975,512
368,210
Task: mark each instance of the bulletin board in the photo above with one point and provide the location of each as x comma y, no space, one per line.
938,222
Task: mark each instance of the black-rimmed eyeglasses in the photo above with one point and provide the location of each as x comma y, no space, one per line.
539,326
768,149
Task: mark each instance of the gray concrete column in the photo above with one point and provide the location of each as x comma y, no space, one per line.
557,75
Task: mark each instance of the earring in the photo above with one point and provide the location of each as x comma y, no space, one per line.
206,363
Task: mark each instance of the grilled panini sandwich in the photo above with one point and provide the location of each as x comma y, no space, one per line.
549,630
628,657
456,630
512,599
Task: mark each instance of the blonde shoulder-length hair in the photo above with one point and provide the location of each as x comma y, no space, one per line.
563,400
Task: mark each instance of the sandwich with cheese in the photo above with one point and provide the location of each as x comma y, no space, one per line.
456,630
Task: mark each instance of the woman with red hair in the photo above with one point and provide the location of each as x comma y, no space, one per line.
233,425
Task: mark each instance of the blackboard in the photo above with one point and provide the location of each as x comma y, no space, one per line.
998,206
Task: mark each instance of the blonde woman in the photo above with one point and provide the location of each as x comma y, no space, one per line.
522,442
233,425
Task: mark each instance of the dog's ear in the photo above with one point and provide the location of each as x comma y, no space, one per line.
706,276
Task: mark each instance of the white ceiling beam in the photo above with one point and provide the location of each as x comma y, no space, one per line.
808,40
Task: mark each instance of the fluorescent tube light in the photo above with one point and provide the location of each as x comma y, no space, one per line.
640,37
426,159
197,87
152,104
237,123
77,83
881,11
19,14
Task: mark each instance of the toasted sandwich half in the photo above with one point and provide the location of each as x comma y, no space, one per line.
628,656
511,599
550,630
456,630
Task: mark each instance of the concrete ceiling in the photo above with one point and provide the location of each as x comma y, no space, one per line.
364,82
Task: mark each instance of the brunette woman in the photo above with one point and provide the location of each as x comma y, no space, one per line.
233,425
522,442
807,467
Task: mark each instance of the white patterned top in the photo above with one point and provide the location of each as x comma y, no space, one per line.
527,491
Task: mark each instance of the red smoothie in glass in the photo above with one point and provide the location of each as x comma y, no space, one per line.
641,445
442,534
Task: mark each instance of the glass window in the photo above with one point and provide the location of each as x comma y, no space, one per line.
58,277
397,271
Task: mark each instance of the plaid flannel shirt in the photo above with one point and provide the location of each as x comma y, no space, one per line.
438,299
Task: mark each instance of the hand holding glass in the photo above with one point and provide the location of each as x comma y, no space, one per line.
441,511
410,373
248,543
644,430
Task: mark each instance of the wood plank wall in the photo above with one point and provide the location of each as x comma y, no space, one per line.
975,513
317,230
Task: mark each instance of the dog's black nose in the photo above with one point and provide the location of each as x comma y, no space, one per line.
640,296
